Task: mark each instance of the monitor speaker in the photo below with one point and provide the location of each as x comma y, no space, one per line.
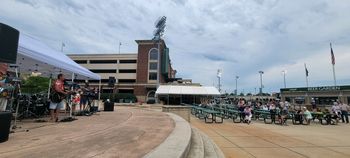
111,81
8,44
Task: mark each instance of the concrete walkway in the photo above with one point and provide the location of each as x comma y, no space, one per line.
269,140
126,132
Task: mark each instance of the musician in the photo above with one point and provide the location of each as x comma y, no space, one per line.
57,87
84,100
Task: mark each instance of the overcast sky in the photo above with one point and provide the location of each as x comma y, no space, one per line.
240,37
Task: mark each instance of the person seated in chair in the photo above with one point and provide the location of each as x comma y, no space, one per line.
247,114
307,115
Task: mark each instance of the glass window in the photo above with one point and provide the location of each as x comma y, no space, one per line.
127,71
127,61
153,54
152,76
153,66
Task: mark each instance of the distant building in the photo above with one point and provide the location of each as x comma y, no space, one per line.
135,73
325,95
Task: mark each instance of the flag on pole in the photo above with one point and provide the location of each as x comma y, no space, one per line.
306,71
332,55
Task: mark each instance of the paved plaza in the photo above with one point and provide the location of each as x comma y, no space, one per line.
268,140
126,132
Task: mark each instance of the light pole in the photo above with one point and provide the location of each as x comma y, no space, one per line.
284,72
236,85
261,85
219,73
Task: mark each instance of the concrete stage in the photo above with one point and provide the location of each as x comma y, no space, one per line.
126,132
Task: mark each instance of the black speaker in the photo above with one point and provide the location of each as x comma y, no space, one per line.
5,123
8,44
108,106
111,81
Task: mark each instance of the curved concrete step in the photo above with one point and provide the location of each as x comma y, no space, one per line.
177,144
203,147
197,145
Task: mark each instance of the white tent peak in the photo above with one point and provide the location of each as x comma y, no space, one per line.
186,90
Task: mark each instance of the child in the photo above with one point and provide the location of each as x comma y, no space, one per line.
247,114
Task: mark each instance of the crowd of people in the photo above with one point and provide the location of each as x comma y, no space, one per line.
281,110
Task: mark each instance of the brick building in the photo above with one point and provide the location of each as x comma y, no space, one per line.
135,73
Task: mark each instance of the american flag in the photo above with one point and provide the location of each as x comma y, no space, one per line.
306,71
332,55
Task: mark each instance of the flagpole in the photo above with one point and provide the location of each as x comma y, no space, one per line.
306,76
335,80
333,63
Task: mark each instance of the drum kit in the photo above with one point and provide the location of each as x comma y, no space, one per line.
29,106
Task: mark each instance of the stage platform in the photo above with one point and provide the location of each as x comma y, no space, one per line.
126,132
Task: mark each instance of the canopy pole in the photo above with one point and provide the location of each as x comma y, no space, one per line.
49,89
71,97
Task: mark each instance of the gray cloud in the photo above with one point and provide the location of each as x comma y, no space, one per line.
240,37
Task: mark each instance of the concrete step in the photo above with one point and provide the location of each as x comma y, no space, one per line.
197,145
203,147
178,143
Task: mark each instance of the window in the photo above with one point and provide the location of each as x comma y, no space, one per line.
81,61
104,70
126,81
153,55
153,66
127,71
127,61
103,61
152,76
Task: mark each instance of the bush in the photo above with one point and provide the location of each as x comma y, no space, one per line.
117,97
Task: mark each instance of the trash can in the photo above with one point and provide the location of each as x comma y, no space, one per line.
5,124
108,106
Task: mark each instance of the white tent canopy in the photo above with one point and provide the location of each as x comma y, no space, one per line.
35,56
186,90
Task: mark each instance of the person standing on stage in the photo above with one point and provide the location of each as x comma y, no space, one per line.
84,97
57,104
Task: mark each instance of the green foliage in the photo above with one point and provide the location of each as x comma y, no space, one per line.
119,97
35,84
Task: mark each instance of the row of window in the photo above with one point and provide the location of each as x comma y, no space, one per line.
113,70
106,61
107,80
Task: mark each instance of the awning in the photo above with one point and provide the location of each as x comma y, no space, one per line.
35,56
186,90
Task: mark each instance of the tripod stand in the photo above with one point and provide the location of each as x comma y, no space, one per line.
17,87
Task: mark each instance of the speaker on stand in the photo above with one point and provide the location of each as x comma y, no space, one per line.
8,54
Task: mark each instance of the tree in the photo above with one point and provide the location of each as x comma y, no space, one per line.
35,84
241,94
249,94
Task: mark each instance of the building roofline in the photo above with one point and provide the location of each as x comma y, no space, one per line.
149,42
102,54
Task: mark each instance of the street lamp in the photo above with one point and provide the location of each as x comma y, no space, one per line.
236,85
284,72
261,85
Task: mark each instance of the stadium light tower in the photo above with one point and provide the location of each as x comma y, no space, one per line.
284,72
261,85
158,33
